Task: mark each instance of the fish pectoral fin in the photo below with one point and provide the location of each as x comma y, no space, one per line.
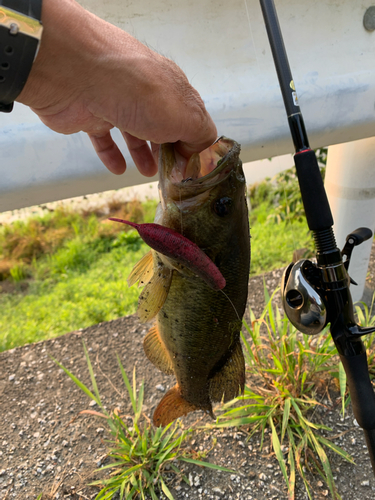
154,294
142,271
228,382
156,351
172,406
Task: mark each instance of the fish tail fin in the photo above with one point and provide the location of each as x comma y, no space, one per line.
156,351
230,380
172,406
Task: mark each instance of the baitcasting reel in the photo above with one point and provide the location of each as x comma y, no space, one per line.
304,286
302,300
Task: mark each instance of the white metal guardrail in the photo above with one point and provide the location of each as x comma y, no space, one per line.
223,49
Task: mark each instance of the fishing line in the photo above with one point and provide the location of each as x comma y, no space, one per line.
251,33
235,310
179,208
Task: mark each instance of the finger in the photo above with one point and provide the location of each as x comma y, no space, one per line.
141,154
187,148
108,152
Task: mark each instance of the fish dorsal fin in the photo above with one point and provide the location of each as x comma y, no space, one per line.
230,380
156,351
155,292
142,271
172,406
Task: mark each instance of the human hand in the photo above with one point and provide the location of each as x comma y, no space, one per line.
91,76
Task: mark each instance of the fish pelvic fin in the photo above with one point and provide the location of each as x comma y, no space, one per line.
229,382
156,352
142,271
155,292
172,406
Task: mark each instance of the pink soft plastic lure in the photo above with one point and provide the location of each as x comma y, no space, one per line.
172,244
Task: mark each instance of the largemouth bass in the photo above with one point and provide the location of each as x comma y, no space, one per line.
196,335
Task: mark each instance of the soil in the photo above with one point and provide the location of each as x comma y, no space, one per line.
47,447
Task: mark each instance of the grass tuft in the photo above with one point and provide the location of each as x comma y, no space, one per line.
285,367
140,453
366,317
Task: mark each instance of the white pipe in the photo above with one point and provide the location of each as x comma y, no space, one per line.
350,186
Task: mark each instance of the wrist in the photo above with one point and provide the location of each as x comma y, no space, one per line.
20,34
63,66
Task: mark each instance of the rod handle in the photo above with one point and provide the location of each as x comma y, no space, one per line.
361,391
314,197
370,441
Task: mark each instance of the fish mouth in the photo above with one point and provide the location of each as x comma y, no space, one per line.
180,179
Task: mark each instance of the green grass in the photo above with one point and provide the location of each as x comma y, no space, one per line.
73,283
79,298
75,266
272,243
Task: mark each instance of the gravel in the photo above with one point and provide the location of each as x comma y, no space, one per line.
47,446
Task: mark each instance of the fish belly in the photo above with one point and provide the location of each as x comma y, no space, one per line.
199,329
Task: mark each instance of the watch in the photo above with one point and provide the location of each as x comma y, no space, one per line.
20,35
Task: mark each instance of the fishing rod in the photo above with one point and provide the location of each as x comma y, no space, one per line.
315,294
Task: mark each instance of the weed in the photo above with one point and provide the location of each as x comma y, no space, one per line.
130,238
289,206
365,317
82,278
19,272
27,245
140,451
261,192
273,245
6,265
285,365
282,195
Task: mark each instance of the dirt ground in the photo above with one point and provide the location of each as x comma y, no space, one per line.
45,446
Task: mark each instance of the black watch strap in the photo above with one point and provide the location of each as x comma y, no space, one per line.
20,34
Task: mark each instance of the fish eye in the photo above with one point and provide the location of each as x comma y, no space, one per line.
222,206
